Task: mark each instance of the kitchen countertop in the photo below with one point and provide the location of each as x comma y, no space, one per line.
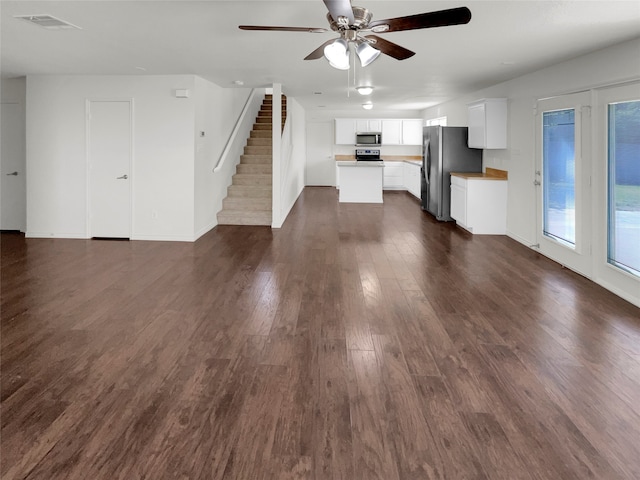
355,163
490,174
414,162
385,158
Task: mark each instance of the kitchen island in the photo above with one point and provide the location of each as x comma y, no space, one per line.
360,181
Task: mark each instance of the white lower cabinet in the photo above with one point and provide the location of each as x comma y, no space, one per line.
412,178
393,175
479,204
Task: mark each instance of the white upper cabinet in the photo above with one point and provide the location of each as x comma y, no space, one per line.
411,132
368,125
392,132
487,119
345,131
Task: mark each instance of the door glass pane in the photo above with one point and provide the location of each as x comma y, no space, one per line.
558,166
624,186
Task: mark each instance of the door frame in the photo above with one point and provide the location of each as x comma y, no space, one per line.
619,281
578,259
22,172
311,133
132,176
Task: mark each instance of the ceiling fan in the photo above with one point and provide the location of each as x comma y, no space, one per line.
354,25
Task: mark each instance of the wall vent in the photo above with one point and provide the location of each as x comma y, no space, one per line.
47,21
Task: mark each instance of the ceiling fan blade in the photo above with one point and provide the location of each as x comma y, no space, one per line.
283,29
319,52
340,8
389,48
442,18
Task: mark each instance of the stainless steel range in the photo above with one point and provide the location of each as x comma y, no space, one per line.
368,154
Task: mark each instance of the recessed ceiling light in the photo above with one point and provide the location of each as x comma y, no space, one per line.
142,69
367,106
238,82
364,90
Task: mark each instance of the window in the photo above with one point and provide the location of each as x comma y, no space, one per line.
559,167
624,186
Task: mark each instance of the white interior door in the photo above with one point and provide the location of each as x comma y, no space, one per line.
321,166
13,211
563,179
109,150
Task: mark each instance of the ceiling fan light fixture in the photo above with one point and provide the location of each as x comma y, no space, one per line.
337,53
367,54
364,90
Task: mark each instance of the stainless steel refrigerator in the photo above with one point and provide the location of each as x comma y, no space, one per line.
444,150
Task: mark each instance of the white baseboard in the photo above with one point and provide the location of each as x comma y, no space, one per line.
604,284
520,239
205,229
76,236
164,238
621,293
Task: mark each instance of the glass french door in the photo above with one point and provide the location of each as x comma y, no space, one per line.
623,186
563,180
617,184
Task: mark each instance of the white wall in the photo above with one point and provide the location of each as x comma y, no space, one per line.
293,154
13,90
217,110
175,194
608,66
163,151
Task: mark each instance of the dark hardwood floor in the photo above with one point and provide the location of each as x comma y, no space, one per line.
357,342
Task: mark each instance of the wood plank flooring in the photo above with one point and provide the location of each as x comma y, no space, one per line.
357,342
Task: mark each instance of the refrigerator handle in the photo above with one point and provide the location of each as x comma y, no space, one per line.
427,168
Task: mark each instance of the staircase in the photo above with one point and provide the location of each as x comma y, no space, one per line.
248,200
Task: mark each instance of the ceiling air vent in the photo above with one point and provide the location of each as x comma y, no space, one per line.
47,21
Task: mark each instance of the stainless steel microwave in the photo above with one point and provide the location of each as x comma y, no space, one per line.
368,139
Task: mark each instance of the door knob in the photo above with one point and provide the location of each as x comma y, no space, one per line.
123,177
12,174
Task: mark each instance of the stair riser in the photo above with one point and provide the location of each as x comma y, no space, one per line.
260,134
255,159
244,219
256,180
249,204
262,126
257,150
259,142
249,192
254,169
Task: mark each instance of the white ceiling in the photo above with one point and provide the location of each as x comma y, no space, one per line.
504,39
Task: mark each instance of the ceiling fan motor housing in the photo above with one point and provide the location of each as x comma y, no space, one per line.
361,17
